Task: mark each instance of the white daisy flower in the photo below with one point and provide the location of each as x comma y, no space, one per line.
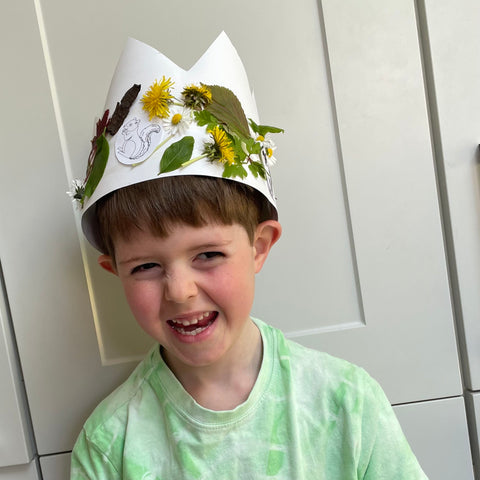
178,122
77,191
268,147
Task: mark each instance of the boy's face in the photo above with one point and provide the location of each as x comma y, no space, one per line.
193,291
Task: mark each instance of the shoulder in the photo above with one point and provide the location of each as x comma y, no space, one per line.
324,376
99,450
330,393
112,412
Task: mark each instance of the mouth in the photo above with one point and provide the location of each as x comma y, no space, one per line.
193,324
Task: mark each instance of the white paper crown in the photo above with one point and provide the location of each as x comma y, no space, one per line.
167,121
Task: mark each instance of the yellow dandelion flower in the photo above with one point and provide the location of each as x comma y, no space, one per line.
158,98
221,149
196,97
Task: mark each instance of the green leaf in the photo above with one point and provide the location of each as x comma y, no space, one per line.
234,170
205,118
240,155
176,154
258,169
253,146
236,144
264,129
226,107
99,164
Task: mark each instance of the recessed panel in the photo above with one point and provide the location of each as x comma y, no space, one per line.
310,276
454,40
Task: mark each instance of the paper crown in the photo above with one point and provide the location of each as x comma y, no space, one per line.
167,121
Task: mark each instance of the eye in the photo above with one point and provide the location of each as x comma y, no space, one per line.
144,267
209,255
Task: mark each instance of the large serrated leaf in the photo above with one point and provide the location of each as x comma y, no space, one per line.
176,154
99,164
226,107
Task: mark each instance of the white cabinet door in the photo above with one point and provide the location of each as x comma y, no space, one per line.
438,434
21,472
473,408
39,247
384,149
360,270
454,41
55,467
15,444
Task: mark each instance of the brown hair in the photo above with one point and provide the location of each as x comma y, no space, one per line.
158,205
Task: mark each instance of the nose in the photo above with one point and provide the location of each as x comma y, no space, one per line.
180,286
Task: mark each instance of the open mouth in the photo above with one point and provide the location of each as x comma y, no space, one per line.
193,325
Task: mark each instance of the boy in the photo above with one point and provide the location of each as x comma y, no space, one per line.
178,199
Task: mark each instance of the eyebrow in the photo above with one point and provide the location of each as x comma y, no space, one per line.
202,246
132,260
206,246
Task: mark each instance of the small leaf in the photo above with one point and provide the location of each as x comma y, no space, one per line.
258,169
234,170
205,118
236,144
99,129
99,164
226,107
176,154
101,124
253,146
264,129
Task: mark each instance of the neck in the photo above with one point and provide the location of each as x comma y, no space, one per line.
228,382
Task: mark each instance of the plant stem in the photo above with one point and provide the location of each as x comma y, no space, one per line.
192,160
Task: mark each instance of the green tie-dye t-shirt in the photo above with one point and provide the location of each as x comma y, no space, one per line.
309,416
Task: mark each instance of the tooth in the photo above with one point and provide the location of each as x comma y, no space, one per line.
193,332
192,321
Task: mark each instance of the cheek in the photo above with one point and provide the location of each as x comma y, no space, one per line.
235,288
142,300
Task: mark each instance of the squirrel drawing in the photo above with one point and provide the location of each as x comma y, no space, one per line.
136,143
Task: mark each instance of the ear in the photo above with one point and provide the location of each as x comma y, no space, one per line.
266,234
107,263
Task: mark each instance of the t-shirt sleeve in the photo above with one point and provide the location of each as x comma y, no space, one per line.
90,463
386,453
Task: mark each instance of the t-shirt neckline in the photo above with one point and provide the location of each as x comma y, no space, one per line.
185,405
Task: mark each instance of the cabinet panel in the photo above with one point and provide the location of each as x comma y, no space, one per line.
324,240
473,409
15,445
55,467
454,41
21,472
361,273
39,249
438,434
384,145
